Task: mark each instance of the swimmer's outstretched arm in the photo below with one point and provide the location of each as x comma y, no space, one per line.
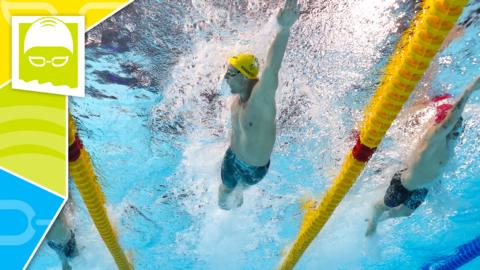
459,106
286,17
466,94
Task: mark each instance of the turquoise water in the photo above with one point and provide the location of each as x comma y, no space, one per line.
157,130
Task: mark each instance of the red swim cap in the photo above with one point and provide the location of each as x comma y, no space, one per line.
441,97
442,109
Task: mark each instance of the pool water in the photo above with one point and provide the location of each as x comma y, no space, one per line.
157,128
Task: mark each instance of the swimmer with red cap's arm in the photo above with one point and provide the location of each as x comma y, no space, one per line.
247,159
407,188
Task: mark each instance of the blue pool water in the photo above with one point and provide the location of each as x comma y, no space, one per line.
157,129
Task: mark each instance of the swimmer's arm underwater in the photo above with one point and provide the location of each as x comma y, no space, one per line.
269,80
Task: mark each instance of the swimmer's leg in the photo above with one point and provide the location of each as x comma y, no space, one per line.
399,211
250,176
62,241
230,198
238,194
229,182
66,265
223,196
395,195
378,209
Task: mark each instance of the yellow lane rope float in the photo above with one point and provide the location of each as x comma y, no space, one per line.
85,179
413,54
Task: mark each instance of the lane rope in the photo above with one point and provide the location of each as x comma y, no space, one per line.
413,54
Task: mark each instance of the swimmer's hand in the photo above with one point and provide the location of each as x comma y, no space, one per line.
289,14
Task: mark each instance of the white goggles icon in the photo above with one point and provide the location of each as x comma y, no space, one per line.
40,61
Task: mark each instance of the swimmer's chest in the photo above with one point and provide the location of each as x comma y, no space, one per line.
430,162
247,120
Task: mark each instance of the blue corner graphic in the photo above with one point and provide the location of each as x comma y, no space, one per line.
26,211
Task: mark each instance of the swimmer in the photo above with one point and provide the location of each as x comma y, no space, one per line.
62,240
407,188
247,159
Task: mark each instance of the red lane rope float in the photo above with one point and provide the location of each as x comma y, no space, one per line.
75,149
362,152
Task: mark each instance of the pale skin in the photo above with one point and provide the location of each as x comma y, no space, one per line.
425,162
253,110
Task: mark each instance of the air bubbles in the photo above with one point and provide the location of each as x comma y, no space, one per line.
445,60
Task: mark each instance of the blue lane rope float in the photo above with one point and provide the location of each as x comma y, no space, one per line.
464,254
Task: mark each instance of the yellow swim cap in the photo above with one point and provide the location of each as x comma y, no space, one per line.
246,63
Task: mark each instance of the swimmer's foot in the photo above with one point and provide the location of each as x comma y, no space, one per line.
229,199
66,250
238,198
70,250
372,227
224,198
